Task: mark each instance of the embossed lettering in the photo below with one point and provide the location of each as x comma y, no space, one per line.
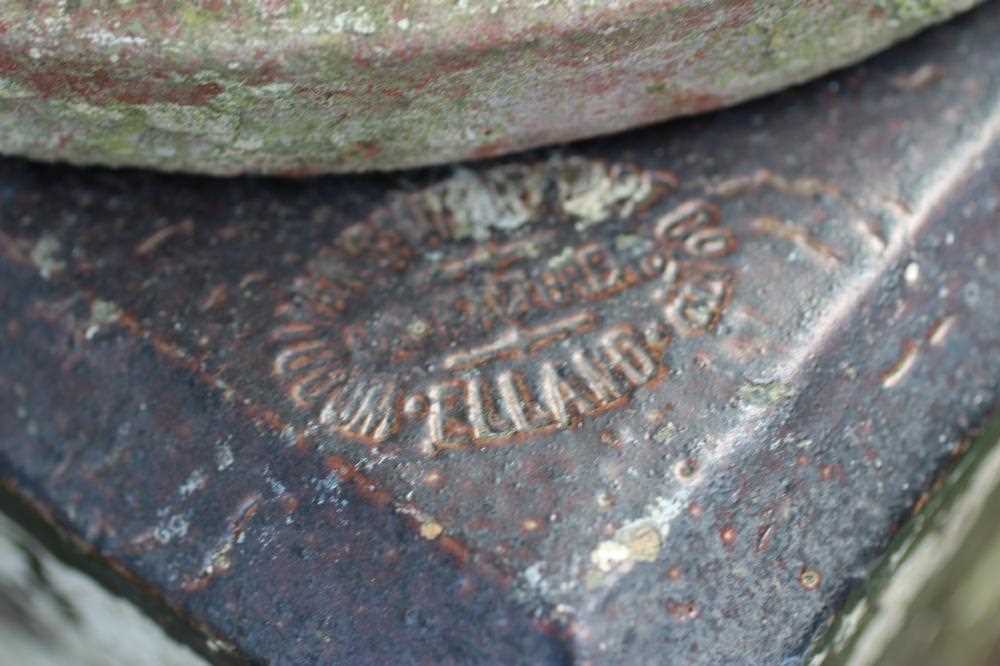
625,354
499,309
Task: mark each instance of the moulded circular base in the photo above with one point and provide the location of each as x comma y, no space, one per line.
296,87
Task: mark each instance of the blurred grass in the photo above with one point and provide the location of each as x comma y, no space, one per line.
935,600
54,615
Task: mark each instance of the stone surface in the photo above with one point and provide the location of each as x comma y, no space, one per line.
293,87
661,398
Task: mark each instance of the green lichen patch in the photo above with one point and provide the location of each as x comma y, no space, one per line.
311,87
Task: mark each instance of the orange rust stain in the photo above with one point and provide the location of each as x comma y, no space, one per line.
810,579
7,64
694,102
939,330
549,627
289,503
362,484
14,250
160,236
797,236
530,525
251,505
831,472
491,149
609,438
919,78
686,468
764,537
366,149
196,584
682,610
895,374
454,548
216,296
434,479
61,80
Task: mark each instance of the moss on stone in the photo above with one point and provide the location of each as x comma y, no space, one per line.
343,87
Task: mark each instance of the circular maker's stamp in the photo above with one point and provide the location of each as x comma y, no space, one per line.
495,306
